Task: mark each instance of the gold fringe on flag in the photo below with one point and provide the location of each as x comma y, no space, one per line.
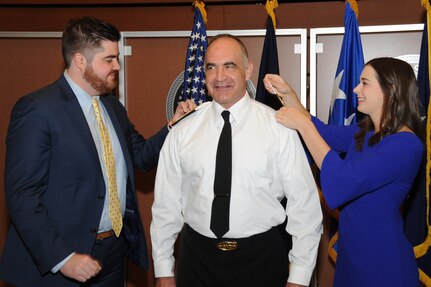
354,6
421,249
270,7
201,6
331,250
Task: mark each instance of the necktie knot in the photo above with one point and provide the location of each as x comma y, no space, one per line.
225,114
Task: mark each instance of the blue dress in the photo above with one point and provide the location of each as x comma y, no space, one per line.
369,187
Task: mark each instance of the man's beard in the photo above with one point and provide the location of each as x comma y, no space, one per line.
103,87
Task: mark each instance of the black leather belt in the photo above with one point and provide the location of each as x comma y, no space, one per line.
231,244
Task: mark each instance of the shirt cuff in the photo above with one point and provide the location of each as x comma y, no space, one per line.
164,269
59,265
299,275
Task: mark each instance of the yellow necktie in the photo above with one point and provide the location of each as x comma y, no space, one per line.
108,156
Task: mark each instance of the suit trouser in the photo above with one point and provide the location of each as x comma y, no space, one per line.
111,254
259,261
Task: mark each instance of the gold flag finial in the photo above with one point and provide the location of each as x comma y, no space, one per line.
426,4
354,6
201,6
270,6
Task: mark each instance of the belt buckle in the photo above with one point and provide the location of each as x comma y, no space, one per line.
227,245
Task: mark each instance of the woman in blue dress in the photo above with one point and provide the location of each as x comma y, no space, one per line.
383,153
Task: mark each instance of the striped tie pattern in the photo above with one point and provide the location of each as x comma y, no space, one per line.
108,156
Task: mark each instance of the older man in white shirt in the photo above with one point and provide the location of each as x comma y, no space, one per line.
268,164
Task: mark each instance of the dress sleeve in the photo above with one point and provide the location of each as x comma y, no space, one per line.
337,137
363,172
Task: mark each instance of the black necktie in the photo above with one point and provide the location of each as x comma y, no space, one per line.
222,180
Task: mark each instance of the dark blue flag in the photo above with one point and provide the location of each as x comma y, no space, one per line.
268,65
417,205
194,73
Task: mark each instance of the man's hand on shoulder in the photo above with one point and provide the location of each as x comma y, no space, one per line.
165,282
81,267
183,108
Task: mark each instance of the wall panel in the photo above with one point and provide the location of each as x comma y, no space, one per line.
28,64
232,16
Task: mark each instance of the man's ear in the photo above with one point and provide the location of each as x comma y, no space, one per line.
249,71
79,61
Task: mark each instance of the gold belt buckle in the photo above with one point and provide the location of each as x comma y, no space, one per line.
227,245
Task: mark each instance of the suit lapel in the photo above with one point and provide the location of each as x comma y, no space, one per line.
74,111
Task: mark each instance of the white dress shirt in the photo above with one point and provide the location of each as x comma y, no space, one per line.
268,163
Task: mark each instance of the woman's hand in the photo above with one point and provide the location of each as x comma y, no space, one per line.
296,119
292,117
278,86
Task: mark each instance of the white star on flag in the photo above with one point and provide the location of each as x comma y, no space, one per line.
194,74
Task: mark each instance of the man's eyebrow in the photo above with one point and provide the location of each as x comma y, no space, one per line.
224,64
229,63
112,56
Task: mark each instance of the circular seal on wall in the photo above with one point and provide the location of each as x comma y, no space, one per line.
413,60
176,93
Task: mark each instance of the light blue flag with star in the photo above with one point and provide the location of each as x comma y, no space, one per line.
350,65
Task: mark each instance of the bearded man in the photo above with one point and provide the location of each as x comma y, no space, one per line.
69,179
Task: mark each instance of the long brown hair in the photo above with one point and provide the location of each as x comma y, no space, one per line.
400,104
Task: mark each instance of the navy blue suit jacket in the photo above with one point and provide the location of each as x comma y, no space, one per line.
54,184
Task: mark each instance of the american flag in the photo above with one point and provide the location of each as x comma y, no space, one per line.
194,73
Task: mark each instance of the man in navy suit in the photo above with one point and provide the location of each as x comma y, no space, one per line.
56,180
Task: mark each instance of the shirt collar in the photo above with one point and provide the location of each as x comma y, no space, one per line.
237,111
84,99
